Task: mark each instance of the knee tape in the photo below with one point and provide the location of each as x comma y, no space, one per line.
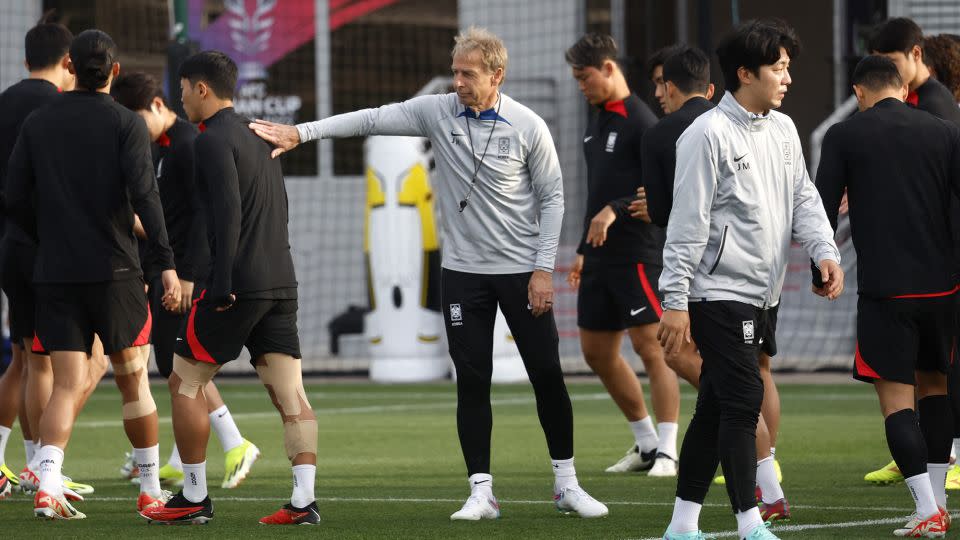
281,375
143,404
300,437
193,375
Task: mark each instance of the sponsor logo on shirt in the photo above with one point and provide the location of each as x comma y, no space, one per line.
611,141
742,165
456,315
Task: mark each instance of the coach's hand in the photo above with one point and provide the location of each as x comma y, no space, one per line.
540,292
844,204
674,330
832,276
186,295
171,290
573,278
638,208
282,136
597,234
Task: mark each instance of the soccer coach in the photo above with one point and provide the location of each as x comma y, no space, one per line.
500,193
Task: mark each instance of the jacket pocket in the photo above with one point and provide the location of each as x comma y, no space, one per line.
723,243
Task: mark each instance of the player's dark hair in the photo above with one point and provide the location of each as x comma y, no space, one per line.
689,70
136,90
93,53
659,57
753,44
877,73
214,68
592,50
46,43
899,34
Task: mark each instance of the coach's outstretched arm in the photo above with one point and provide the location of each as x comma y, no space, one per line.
404,119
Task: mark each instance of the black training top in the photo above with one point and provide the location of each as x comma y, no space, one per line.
611,145
246,201
659,155
183,211
82,164
901,168
16,103
933,97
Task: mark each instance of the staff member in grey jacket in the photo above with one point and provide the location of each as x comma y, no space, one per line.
500,192
742,194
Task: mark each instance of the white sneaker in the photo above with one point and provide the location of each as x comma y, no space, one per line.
634,461
663,466
575,499
477,507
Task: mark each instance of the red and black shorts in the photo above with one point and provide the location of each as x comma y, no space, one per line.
897,337
68,316
614,296
261,325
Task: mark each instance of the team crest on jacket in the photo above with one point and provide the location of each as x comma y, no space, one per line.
503,147
787,153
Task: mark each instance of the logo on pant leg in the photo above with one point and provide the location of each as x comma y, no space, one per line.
456,315
747,331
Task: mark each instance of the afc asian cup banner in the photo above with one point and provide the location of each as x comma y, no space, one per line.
257,34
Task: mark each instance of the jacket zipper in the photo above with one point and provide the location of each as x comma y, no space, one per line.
723,242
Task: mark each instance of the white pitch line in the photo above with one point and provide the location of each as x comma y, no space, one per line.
319,411
507,502
810,527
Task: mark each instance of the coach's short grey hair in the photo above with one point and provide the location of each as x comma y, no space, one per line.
493,53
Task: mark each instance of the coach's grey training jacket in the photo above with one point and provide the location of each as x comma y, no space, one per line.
742,193
512,222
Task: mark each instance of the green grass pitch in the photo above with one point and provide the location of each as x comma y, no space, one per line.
390,467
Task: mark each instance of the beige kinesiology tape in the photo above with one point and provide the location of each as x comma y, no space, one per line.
300,437
143,404
193,375
281,374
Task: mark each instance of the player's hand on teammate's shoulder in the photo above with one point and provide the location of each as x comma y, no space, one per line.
282,136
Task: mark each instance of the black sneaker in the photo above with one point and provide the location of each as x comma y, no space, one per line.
179,511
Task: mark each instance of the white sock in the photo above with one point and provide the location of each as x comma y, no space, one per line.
195,481
174,460
645,434
29,450
303,482
747,521
686,516
667,433
767,480
938,481
773,452
481,483
922,492
34,464
4,437
226,429
51,465
148,462
564,474
953,449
